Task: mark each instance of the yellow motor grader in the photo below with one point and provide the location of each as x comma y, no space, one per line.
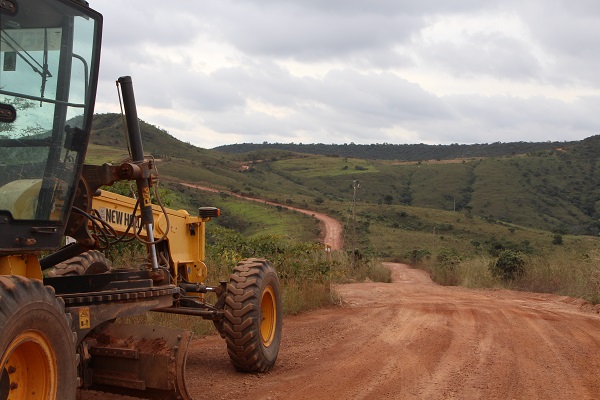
60,305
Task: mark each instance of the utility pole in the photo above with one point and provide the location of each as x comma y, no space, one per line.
355,185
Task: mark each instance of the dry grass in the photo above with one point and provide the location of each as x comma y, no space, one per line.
197,325
305,270
564,272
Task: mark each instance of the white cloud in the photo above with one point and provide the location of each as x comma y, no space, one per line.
328,71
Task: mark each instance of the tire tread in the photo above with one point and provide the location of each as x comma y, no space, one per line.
242,310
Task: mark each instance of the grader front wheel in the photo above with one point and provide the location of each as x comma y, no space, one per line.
37,346
253,316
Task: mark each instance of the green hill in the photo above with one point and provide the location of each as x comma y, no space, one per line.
549,186
107,130
453,216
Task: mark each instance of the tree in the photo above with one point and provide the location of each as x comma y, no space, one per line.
7,129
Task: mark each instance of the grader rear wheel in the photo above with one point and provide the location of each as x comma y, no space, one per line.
253,316
90,262
37,346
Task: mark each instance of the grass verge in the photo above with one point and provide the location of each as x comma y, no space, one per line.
306,273
563,272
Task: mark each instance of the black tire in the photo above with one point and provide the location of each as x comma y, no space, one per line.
88,263
253,316
37,345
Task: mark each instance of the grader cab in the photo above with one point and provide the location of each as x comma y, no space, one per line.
58,303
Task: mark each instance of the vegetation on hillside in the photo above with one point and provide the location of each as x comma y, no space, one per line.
463,219
554,189
404,152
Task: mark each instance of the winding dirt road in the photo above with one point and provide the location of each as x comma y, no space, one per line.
332,229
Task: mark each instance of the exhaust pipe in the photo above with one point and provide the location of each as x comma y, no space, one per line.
137,155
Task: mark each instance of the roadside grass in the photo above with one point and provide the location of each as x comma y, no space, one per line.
319,166
306,273
99,154
261,218
564,272
457,248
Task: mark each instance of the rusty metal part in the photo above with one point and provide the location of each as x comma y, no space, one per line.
213,315
139,358
119,357
90,310
95,299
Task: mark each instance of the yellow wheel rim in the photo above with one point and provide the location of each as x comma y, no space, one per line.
269,316
30,364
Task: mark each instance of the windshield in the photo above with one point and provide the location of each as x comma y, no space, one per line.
49,53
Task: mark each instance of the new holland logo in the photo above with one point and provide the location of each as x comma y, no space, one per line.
116,217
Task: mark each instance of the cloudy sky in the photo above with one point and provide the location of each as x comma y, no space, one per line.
363,71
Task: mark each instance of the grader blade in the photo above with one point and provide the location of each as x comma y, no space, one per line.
139,358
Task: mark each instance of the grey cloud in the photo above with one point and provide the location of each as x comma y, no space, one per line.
342,105
491,54
386,7
380,96
568,32
356,35
314,36
505,118
131,23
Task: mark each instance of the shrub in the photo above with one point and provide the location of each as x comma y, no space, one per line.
448,257
557,239
417,256
509,265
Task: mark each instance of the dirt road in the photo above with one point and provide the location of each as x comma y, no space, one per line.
332,229
413,339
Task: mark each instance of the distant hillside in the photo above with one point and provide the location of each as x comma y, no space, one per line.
404,152
551,186
107,130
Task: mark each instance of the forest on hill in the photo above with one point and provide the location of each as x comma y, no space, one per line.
404,152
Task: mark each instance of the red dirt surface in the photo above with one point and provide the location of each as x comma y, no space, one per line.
413,339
